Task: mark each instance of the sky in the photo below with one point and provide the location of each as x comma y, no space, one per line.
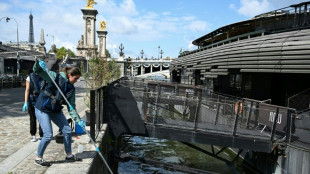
151,25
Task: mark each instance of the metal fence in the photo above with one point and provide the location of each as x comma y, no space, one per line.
301,133
96,111
294,16
194,108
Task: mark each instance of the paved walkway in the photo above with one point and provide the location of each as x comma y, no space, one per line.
17,152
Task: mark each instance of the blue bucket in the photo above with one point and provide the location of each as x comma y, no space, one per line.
78,128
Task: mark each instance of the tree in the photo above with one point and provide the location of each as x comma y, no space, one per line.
62,52
114,70
107,53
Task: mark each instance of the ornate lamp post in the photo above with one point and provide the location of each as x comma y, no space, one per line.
161,53
142,52
121,47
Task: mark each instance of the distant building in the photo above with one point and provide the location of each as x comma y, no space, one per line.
23,45
10,65
18,58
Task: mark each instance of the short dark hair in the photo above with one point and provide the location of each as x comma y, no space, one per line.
74,71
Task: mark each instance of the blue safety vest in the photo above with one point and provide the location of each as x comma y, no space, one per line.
37,84
50,99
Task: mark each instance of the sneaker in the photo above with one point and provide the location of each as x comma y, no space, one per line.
73,158
33,138
42,162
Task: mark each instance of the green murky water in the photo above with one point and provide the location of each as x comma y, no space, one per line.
170,152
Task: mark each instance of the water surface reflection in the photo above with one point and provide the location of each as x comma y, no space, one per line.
169,152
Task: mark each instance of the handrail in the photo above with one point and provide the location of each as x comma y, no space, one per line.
298,94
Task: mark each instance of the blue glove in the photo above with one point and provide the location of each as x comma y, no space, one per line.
81,123
42,64
25,107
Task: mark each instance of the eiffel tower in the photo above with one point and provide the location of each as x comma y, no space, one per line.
31,33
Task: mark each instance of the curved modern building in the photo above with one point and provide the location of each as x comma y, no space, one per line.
263,58
266,57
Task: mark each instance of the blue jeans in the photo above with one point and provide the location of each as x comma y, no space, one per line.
45,121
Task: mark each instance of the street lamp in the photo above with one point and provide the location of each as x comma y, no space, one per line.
18,64
18,57
52,37
7,20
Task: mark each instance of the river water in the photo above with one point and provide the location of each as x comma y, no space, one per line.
170,152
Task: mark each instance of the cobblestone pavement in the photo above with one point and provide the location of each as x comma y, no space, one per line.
14,124
15,138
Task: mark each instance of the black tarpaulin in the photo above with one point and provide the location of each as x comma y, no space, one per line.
121,112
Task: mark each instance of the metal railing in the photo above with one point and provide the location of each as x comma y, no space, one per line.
301,132
96,111
300,101
194,108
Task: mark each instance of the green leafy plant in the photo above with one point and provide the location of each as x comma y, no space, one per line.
100,72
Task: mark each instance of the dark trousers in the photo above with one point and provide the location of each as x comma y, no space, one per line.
33,122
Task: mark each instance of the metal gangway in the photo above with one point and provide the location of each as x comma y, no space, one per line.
192,114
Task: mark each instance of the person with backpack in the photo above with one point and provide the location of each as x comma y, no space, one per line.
34,85
49,108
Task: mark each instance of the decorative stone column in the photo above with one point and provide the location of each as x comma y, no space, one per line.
102,37
42,48
89,17
87,45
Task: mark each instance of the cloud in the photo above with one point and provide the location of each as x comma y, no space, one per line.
4,7
125,8
197,26
122,25
113,47
190,46
188,18
232,6
166,13
251,8
69,45
129,7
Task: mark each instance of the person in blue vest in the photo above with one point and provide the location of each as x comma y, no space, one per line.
34,85
49,108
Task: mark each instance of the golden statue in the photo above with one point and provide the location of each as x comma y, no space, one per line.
90,3
102,26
